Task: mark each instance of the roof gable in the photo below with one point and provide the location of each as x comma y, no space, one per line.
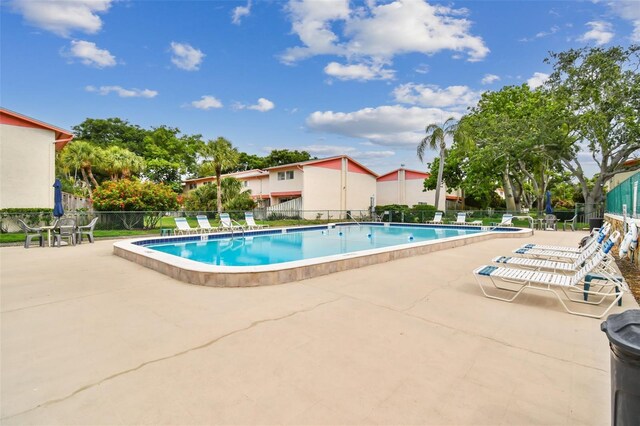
11,118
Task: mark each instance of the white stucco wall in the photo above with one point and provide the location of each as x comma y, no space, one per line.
27,167
387,192
257,186
360,188
322,188
407,192
294,184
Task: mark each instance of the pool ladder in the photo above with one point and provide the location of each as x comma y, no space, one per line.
241,228
356,222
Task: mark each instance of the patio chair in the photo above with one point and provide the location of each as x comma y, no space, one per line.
66,228
86,230
30,233
563,252
580,282
437,218
461,219
571,222
551,222
251,222
204,225
183,227
227,224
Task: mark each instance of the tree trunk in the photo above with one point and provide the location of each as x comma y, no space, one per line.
85,178
440,173
508,191
93,180
219,192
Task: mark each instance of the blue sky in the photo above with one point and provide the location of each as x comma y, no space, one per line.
361,78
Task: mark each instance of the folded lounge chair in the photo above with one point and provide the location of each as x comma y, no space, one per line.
203,224
437,218
251,223
183,227
608,286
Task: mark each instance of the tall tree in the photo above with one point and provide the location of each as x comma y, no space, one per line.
278,157
219,155
120,163
81,155
112,131
436,139
600,91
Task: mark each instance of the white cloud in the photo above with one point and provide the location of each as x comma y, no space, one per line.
630,11
422,69
389,125
434,96
600,33
89,54
263,105
538,79
490,78
206,102
63,17
542,34
360,72
122,92
185,56
371,32
240,12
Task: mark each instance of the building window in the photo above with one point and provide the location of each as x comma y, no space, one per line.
192,186
288,175
245,183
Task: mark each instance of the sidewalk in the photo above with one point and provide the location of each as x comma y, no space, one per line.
90,338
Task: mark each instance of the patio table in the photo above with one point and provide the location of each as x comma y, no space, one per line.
48,228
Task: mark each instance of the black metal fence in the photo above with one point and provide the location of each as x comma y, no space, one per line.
147,220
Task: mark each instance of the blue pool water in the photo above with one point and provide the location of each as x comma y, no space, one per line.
278,248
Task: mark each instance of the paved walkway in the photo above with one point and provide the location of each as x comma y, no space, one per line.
90,338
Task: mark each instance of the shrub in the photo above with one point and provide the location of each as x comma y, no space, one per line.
133,195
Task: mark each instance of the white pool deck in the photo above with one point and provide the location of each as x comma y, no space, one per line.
91,338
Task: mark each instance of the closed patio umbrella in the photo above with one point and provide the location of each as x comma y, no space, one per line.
549,207
58,210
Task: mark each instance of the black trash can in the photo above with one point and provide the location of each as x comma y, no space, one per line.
623,331
595,222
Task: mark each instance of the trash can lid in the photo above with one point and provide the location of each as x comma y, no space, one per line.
623,330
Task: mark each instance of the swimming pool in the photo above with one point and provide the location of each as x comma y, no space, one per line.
275,256
238,250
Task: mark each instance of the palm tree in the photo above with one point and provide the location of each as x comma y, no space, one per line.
220,155
120,162
81,155
435,139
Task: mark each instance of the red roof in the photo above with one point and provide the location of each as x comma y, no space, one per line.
11,118
324,160
409,174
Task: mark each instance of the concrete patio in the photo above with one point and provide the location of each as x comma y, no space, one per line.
90,338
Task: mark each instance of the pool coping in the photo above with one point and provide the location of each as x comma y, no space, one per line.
198,273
